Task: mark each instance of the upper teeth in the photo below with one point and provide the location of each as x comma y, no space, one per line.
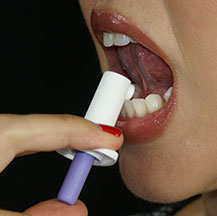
117,39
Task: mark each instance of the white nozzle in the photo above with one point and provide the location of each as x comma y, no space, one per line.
105,108
109,97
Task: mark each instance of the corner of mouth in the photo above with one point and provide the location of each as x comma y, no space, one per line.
137,129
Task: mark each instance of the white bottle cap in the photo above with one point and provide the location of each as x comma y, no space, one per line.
105,108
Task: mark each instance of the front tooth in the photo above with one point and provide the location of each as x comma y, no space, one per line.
128,106
139,107
168,93
123,112
153,102
137,91
108,39
121,39
132,40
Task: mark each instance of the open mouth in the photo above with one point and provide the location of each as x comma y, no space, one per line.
132,54
151,76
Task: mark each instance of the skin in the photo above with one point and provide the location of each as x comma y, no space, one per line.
182,162
27,134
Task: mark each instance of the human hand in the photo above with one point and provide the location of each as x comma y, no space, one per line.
27,134
51,208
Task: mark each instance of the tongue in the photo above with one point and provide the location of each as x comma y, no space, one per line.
146,69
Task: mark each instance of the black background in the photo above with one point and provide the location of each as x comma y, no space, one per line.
50,66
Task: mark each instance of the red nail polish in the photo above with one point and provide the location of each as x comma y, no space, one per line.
112,130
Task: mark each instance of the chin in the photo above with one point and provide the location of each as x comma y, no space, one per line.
153,180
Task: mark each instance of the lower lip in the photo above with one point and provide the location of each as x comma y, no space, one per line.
148,128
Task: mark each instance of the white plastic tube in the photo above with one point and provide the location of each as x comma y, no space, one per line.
105,108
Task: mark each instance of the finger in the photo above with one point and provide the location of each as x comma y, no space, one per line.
20,134
51,132
56,208
11,213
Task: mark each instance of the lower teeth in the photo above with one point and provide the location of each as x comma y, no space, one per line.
139,107
168,93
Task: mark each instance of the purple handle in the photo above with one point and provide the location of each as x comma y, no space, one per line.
75,178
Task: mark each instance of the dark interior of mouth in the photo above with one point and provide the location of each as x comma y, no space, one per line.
150,72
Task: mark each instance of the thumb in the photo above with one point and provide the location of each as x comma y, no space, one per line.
56,208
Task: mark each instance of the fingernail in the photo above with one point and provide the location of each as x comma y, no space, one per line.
112,130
